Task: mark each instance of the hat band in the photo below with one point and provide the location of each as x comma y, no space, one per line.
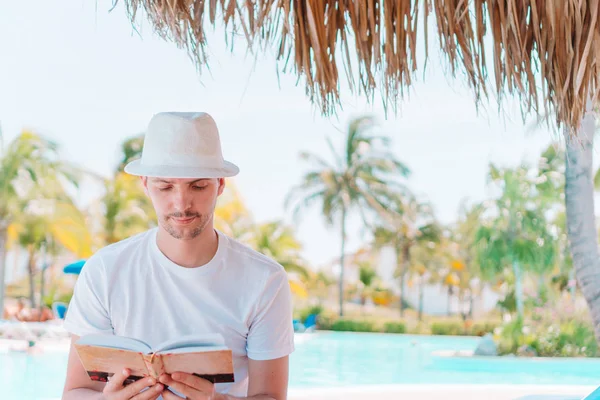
184,160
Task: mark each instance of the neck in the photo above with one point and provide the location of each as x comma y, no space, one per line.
189,253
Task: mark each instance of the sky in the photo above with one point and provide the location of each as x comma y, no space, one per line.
81,75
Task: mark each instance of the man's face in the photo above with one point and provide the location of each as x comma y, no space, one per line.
184,207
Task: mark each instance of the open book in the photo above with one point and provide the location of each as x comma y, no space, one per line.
205,356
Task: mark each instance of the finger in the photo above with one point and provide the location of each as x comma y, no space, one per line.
188,391
151,394
159,394
193,381
116,381
184,389
168,395
166,380
131,390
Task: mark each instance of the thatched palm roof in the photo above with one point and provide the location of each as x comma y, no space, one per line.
547,52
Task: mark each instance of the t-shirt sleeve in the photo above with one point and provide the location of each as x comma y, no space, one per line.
271,333
88,309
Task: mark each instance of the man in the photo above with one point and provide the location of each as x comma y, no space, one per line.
184,277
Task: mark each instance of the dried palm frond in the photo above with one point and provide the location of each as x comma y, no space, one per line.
182,21
546,52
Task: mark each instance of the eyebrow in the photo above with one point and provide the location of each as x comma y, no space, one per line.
171,182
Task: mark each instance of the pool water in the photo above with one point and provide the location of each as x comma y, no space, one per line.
342,359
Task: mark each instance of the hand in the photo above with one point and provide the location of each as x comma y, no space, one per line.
191,386
114,389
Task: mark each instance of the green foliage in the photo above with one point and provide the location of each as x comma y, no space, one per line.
349,325
571,339
394,327
512,337
516,235
560,281
509,303
57,291
131,149
127,210
568,339
303,313
483,327
453,328
362,174
278,241
367,274
326,320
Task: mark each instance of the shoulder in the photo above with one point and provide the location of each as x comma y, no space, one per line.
252,261
111,255
256,270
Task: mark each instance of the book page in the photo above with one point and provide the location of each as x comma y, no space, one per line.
115,342
202,340
101,363
214,366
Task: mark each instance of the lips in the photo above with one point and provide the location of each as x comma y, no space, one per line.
183,221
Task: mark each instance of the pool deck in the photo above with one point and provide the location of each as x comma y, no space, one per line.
392,392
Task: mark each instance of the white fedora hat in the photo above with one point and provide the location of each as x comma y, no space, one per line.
182,145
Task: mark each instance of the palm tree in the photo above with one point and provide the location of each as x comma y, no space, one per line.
412,223
551,189
232,217
47,229
516,235
278,241
318,284
363,177
49,222
424,266
463,236
24,165
579,200
127,209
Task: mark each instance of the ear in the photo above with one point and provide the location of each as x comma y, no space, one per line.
144,180
221,186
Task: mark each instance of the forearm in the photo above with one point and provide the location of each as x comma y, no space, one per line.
82,394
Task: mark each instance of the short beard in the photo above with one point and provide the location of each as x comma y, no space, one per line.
181,233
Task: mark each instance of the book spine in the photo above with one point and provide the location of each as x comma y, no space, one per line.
154,364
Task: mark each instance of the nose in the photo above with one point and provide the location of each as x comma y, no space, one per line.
182,200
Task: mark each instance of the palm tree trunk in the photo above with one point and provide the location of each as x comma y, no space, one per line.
572,287
403,268
420,298
518,288
471,303
42,284
342,257
581,227
31,270
3,237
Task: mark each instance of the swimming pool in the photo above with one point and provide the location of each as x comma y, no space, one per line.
342,359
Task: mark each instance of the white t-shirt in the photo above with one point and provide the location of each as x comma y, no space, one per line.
132,289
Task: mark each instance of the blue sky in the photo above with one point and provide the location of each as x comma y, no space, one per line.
81,75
